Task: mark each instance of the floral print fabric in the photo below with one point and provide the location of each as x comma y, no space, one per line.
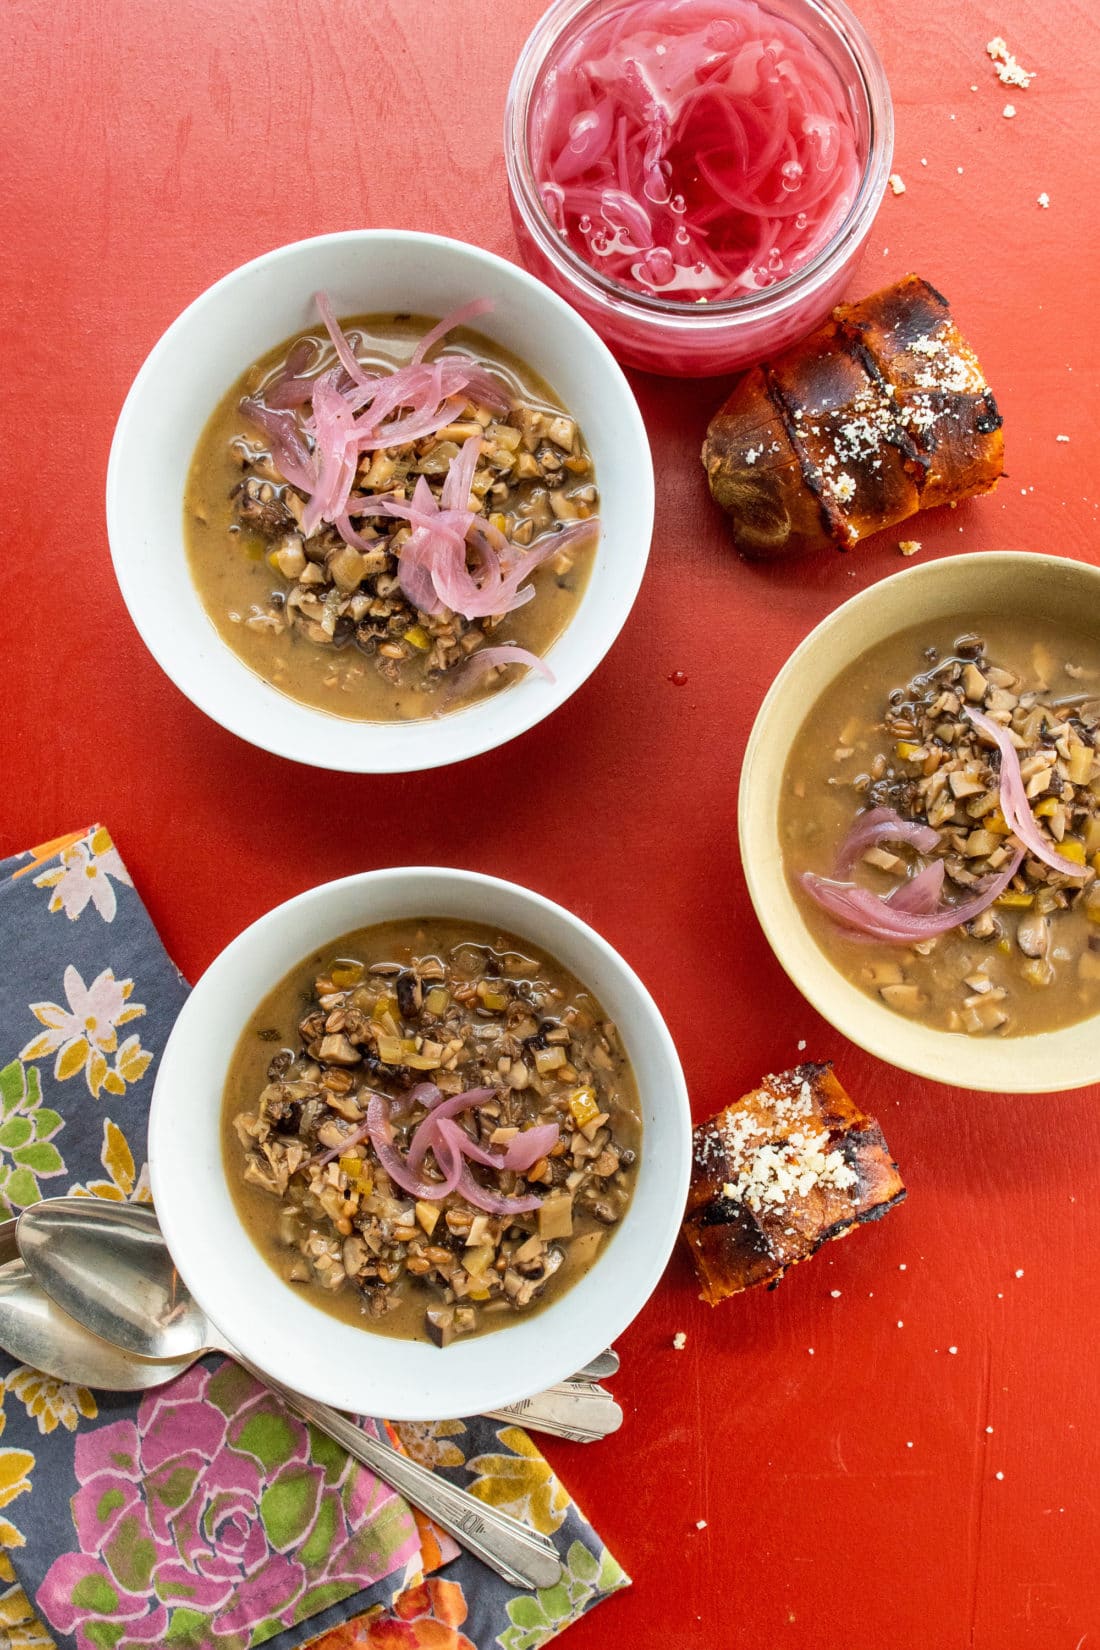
202,1515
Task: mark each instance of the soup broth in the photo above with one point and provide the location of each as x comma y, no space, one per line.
329,624
411,1016
893,732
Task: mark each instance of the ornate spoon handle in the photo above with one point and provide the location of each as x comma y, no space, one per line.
520,1555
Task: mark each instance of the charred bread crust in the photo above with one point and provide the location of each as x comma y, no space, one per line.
743,1225
883,411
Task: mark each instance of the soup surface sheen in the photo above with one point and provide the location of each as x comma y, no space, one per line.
892,732
384,664
398,1011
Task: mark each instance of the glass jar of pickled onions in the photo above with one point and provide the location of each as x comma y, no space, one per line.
697,177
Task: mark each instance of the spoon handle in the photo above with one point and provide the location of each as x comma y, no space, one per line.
576,1410
604,1365
520,1555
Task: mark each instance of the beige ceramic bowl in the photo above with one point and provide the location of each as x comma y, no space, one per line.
1000,582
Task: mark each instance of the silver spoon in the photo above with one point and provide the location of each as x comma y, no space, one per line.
43,1337
107,1266
34,1330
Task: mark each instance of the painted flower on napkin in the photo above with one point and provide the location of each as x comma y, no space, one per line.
217,1520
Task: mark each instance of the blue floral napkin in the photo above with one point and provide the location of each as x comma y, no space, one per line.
202,1515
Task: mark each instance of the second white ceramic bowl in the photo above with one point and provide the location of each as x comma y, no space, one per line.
238,320
278,1328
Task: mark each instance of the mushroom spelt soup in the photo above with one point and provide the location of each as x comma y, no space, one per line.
385,517
430,1127
940,820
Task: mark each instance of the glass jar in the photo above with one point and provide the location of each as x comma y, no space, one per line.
692,339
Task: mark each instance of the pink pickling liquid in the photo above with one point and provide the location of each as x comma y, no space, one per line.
699,150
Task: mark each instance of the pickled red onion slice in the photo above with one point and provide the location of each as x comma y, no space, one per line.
704,149
1014,800
493,1203
922,892
506,653
868,913
883,825
381,1138
425,1129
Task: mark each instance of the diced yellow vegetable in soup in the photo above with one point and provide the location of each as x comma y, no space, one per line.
1012,900
418,637
584,1106
1070,848
346,974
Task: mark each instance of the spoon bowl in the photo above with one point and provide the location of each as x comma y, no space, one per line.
34,1329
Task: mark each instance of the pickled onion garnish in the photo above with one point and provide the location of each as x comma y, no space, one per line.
380,1129
493,1203
506,653
354,411
883,825
884,919
1014,800
524,1151
456,318
922,892
699,150
288,449
433,566
425,1129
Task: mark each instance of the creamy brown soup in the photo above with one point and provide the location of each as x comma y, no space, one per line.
373,1039
893,733
329,624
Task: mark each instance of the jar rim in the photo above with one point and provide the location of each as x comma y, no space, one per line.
870,81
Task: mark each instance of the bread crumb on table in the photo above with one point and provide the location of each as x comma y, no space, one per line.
700,1523
1009,111
897,183
1044,199
909,547
1061,438
1008,71
679,1341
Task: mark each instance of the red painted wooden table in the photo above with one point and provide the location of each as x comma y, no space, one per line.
899,1447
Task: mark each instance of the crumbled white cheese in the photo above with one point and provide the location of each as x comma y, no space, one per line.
700,1523
1008,71
844,488
835,1293
998,1475
952,1350
1061,438
753,454
679,1340
989,1429
901,1266
909,547
909,1444
897,183
1044,199
900,1324
1009,111
1019,1271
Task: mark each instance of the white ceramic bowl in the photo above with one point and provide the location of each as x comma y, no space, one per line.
275,1326
996,582
239,319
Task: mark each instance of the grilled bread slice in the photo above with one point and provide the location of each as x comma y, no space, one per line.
881,412
775,1175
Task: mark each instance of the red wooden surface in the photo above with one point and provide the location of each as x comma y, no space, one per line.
843,1438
